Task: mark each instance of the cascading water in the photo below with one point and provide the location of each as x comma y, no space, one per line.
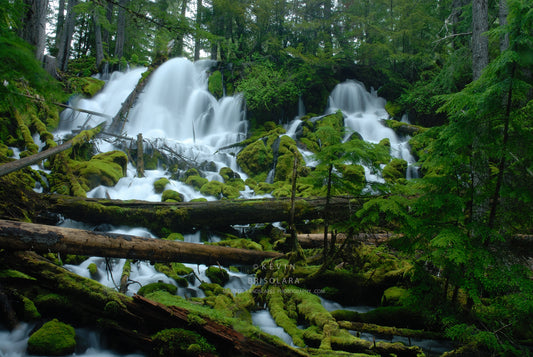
364,112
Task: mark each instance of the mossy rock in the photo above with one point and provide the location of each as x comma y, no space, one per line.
196,181
264,187
175,236
395,170
256,158
54,338
87,86
93,269
394,296
212,188
180,342
228,174
190,172
147,289
217,275
230,192
172,196
160,184
102,169
284,166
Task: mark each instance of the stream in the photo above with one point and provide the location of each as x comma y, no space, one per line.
177,110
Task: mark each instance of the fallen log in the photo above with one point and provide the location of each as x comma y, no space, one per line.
186,216
33,159
316,240
128,322
44,239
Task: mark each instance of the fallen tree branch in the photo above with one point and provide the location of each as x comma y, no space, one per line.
44,239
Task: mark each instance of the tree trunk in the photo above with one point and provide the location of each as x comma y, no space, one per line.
43,239
67,32
59,25
34,30
199,9
480,41
187,216
98,39
503,11
121,30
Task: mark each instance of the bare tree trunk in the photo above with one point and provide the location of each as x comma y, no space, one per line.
34,30
140,160
480,41
502,14
98,39
199,9
121,29
60,23
43,239
67,32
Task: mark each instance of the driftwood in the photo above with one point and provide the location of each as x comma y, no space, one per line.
186,216
43,239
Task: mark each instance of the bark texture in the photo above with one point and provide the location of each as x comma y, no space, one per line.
43,239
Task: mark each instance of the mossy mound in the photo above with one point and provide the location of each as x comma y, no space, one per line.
395,170
394,296
256,158
215,85
180,342
217,275
212,188
160,184
242,243
175,236
54,338
172,196
150,288
102,169
196,181
286,152
86,86
306,134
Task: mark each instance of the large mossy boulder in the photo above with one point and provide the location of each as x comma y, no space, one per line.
286,151
256,159
102,169
212,188
160,184
54,338
150,288
172,196
395,170
217,275
196,181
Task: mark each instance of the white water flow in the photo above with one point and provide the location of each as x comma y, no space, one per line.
363,114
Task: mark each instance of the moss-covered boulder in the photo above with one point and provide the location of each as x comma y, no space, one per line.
172,196
286,151
86,86
102,169
232,178
147,289
54,338
212,188
395,170
217,275
160,184
175,236
180,342
196,181
354,176
256,159
394,296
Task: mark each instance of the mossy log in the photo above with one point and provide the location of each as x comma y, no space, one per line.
33,159
43,238
316,240
186,216
128,322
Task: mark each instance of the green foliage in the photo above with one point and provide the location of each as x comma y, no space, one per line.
215,85
180,342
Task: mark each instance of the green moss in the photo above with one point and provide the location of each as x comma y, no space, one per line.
147,289
160,184
30,310
215,84
230,192
14,274
256,158
87,86
102,169
196,181
242,243
217,275
212,188
395,170
394,296
175,236
172,196
54,338
394,109
180,342
93,269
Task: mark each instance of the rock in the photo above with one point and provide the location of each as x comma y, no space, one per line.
54,338
217,275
